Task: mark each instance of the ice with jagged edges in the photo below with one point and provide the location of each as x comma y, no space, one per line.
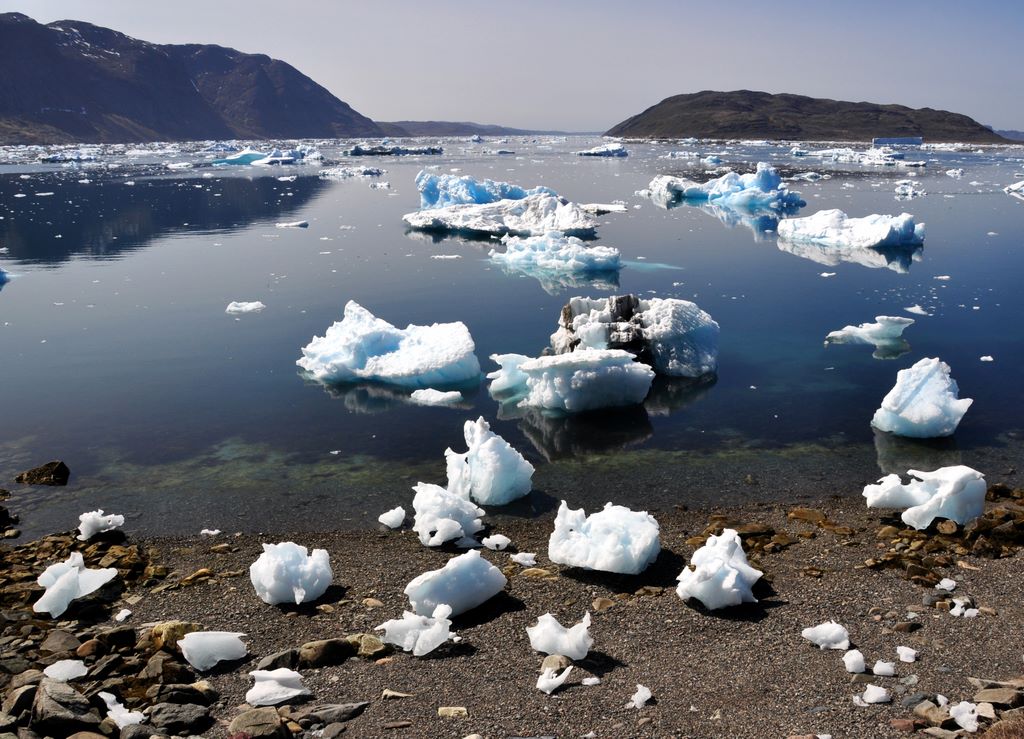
1015,190
956,493
393,518
95,522
886,335
244,157
68,580
442,190
758,190
273,687
965,714
827,635
640,697
853,661
362,347
440,515
492,472
533,215
117,713
550,637
553,254
578,381
614,149
463,583
721,576
550,680
344,173
288,573
923,404
204,649
615,539
834,228
418,634
496,542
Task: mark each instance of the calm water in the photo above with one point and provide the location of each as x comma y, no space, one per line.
117,355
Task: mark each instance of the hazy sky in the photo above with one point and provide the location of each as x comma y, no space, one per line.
587,64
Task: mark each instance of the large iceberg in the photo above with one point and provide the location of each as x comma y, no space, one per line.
923,403
463,583
364,347
287,573
554,254
762,189
551,637
418,634
605,150
886,335
442,190
491,472
534,215
956,493
835,229
441,516
614,539
721,576
68,580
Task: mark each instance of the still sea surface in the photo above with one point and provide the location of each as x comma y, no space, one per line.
117,356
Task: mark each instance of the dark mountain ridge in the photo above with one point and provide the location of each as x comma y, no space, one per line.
457,128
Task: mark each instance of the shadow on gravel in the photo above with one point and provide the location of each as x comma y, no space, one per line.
747,612
333,594
599,663
500,604
661,574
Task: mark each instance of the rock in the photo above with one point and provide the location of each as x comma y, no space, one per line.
1012,729
86,735
28,677
284,658
335,713
333,731
398,724
453,712
89,648
19,700
941,733
810,515
1002,697
372,603
118,639
555,662
987,710
910,701
388,694
368,645
325,652
259,723
178,717
907,627
903,724
58,641
60,710
931,713
7,722
163,668
165,635
178,693
602,604
51,473
139,731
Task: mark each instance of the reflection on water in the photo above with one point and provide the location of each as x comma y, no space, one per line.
555,282
896,258
897,454
374,397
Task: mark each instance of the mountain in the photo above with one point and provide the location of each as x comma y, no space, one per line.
456,128
1011,134
71,81
747,114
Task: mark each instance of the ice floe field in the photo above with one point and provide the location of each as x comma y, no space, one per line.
153,306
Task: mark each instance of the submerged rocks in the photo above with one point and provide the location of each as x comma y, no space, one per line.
51,473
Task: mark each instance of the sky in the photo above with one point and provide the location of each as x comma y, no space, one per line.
585,65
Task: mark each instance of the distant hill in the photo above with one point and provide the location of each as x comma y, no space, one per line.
747,114
71,81
456,128
1011,134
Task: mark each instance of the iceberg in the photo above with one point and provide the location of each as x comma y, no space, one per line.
286,573
67,581
274,158
418,634
239,308
605,150
441,516
491,472
364,347
908,190
550,637
762,189
614,539
956,493
721,576
923,404
834,228
463,583
1016,190
344,173
534,215
442,190
553,254
828,635
393,518
429,396
273,687
204,649
94,522
246,156
886,335
550,680
383,150
117,713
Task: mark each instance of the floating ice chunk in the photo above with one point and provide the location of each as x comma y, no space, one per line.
550,637
640,697
886,335
875,694
384,150
246,156
711,160
204,649
986,358
418,634
553,254
393,518
532,216
94,522
828,635
605,150
947,584
884,669
965,715
294,224
442,190
241,307
956,493
923,403
273,687
344,173
122,615
917,310
762,189
120,715
854,661
614,539
429,396
64,670
721,576
906,654
286,573
496,542
1015,190
549,681
526,559
364,347
835,228
491,472
463,583
908,190
956,173
440,515
68,580
599,209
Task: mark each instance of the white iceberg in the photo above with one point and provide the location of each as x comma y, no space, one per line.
956,493
393,518
828,635
908,190
117,713
550,679
923,404
491,472
721,576
463,583
246,156
287,573
362,347
854,661
440,515
344,173
550,637
241,307
204,649
273,687
886,335
430,396
442,190
955,173
95,522
614,539
496,542
552,254
68,580
418,634
534,215
1015,190
758,190
64,670
834,228
640,697
605,150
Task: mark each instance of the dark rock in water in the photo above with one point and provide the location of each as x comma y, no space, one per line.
177,717
60,710
259,723
51,473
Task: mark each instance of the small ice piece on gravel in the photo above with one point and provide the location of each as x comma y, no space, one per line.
947,584
907,654
526,559
68,580
94,522
923,403
287,573
209,532
440,515
429,396
854,661
721,576
123,614
119,714
241,307
828,635
875,694
66,669
204,649
496,542
491,472
393,518
614,539
956,493
551,637
640,697
273,687
966,716
464,582
418,634
960,608
884,669
591,681
549,681
941,700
